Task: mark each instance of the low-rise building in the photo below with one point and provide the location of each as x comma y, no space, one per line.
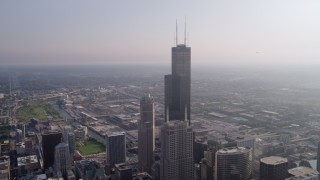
303,173
27,165
89,170
123,171
4,168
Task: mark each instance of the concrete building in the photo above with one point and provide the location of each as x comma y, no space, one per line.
89,170
27,165
318,157
71,142
123,171
245,142
66,131
49,140
176,151
178,84
62,160
207,164
142,176
28,143
146,137
303,173
4,168
233,163
273,167
199,146
116,148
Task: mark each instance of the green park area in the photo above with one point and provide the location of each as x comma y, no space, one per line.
38,110
90,146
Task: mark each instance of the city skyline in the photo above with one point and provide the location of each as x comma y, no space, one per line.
232,32
86,91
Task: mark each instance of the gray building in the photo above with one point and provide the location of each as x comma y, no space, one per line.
176,151
123,171
207,164
233,163
62,160
318,158
303,173
71,142
4,167
89,170
273,167
146,144
177,84
66,131
116,148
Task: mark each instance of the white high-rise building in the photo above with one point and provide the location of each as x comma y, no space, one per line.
62,160
66,131
176,151
233,163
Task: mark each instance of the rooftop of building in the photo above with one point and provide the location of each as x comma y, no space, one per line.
48,132
274,160
62,144
4,162
85,165
123,166
4,159
173,123
27,160
142,176
303,171
147,99
233,150
115,133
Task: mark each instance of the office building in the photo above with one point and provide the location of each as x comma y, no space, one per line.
233,163
123,171
89,170
303,173
13,163
66,131
27,165
49,141
116,148
178,83
273,167
200,145
142,176
62,160
81,133
176,151
207,164
4,168
318,158
156,170
71,142
146,144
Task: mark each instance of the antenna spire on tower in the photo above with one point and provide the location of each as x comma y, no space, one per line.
185,31
176,32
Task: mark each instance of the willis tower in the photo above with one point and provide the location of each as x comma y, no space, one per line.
177,84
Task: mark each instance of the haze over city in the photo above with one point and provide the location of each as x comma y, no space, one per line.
146,90
101,32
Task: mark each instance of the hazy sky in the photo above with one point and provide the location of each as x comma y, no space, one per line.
142,31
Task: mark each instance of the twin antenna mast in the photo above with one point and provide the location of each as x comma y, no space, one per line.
185,32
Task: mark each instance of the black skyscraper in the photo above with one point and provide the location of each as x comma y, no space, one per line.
177,84
49,141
